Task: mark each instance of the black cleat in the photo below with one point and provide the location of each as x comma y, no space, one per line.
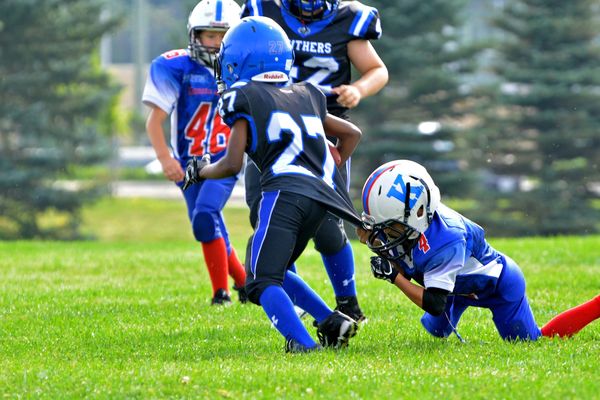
292,346
336,330
349,305
221,298
242,295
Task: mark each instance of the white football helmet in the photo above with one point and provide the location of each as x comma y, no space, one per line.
210,15
399,193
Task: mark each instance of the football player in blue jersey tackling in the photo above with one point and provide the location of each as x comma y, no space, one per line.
418,238
328,37
181,84
282,128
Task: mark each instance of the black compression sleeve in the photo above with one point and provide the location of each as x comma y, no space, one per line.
434,300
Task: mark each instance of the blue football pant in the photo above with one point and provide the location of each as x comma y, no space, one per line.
329,238
286,222
510,309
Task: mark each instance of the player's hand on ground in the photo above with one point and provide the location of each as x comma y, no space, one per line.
171,169
348,96
192,170
383,269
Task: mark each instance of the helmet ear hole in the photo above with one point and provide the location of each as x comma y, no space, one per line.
420,211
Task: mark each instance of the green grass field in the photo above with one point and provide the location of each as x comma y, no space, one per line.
128,316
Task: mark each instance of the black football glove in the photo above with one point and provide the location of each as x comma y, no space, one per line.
192,170
383,269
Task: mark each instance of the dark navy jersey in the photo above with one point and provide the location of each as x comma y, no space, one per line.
452,254
187,90
286,141
321,47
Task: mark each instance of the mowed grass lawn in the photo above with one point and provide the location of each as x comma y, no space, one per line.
128,316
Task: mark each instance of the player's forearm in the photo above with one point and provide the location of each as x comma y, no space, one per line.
156,135
348,144
159,144
221,169
412,291
372,81
349,135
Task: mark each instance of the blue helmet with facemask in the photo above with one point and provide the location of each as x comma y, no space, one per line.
257,49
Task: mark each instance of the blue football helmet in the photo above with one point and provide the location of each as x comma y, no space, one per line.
256,49
311,10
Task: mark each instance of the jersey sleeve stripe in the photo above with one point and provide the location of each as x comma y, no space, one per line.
254,8
361,22
378,28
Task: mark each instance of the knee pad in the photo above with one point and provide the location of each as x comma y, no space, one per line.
205,225
330,238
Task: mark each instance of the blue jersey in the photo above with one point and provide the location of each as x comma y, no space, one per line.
452,254
187,90
321,47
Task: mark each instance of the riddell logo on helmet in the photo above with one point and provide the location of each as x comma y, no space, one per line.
218,24
271,76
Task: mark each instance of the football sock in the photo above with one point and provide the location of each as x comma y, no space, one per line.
236,269
304,297
215,257
340,268
293,268
280,310
573,320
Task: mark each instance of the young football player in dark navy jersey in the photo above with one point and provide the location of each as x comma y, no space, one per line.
419,238
181,84
282,129
328,37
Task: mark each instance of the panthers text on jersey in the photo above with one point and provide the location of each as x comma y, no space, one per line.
321,47
287,141
452,254
187,90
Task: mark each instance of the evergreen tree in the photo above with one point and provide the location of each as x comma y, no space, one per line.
540,135
54,102
420,113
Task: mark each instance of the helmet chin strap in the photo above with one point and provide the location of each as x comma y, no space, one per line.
407,203
427,206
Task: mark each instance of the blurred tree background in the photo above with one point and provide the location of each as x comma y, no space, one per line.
57,108
538,137
420,114
498,98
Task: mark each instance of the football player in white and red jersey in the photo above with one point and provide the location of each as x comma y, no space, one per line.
328,37
181,84
416,237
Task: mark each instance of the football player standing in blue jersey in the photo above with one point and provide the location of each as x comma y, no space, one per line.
418,238
282,128
181,84
328,37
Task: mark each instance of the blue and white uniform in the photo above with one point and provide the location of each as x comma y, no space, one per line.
299,182
452,254
187,90
321,58
321,46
